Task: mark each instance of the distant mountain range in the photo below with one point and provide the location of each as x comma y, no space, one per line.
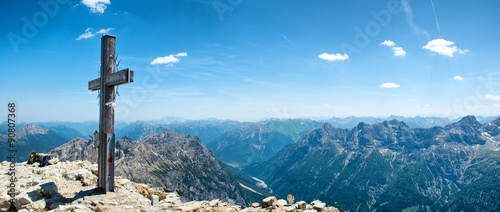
30,138
250,143
391,167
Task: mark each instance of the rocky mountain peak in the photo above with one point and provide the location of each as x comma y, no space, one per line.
467,121
328,126
362,125
31,129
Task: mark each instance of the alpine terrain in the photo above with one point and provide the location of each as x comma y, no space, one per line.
392,167
171,161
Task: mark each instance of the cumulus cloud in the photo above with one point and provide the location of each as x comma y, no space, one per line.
96,6
460,51
88,34
493,97
168,59
389,85
104,31
334,57
444,47
388,43
458,78
398,51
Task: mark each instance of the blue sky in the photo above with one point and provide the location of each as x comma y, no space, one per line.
247,60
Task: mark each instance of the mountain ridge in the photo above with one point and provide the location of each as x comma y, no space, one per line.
168,160
387,166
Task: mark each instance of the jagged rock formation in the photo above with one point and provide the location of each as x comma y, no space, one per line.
391,167
168,160
70,186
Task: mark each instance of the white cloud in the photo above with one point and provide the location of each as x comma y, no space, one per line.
398,51
104,31
168,59
388,43
458,78
460,51
493,97
427,105
327,105
86,35
495,105
182,54
443,47
389,85
96,6
334,57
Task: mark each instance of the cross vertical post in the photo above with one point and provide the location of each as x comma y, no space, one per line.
106,114
106,84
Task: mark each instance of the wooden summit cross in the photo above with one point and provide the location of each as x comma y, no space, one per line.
110,79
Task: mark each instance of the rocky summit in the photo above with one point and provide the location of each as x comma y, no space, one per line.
70,186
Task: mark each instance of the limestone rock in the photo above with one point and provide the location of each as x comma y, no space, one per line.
36,206
281,203
4,202
84,175
21,200
255,205
214,203
53,161
268,201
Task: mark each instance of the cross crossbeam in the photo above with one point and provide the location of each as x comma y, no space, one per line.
117,78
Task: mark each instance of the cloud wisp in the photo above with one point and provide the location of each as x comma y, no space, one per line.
388,43
458,78
334,57
398,51
389,85
409,18
172,58
493,97
89,34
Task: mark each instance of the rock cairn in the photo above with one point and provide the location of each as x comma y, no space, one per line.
69,186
